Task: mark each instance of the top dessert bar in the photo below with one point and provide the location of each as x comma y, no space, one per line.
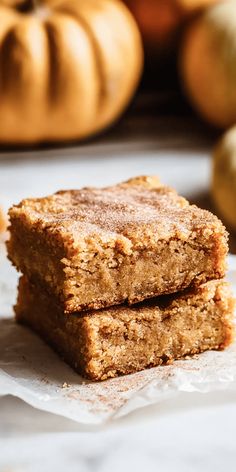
94,248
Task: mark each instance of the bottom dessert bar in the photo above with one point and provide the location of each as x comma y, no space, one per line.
121,340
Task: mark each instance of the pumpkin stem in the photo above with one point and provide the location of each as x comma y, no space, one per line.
26,6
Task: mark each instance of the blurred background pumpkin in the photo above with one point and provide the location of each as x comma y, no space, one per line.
208,64
160,23
68,68
224,178
3,223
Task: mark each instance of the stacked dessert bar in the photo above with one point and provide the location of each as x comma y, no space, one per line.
122,278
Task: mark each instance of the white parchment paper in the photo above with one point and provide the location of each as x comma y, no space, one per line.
31,371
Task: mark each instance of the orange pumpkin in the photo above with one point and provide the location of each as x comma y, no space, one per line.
223,186
68,68
2,221
159,20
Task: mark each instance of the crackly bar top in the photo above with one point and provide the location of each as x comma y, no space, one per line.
124,243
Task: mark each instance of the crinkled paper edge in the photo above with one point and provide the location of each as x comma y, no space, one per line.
30,371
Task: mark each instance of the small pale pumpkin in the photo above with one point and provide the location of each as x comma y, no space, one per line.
224,177
68,68
208,64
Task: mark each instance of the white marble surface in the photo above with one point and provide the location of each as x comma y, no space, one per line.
191,434
195,432
46,172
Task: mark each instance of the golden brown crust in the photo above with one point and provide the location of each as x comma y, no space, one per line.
125,212
121,340
129,242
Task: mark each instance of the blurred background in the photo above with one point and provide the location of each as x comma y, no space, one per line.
92,78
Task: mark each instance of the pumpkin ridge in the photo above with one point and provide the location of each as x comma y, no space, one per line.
78,18
22,73
11,37
52,76
4,55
